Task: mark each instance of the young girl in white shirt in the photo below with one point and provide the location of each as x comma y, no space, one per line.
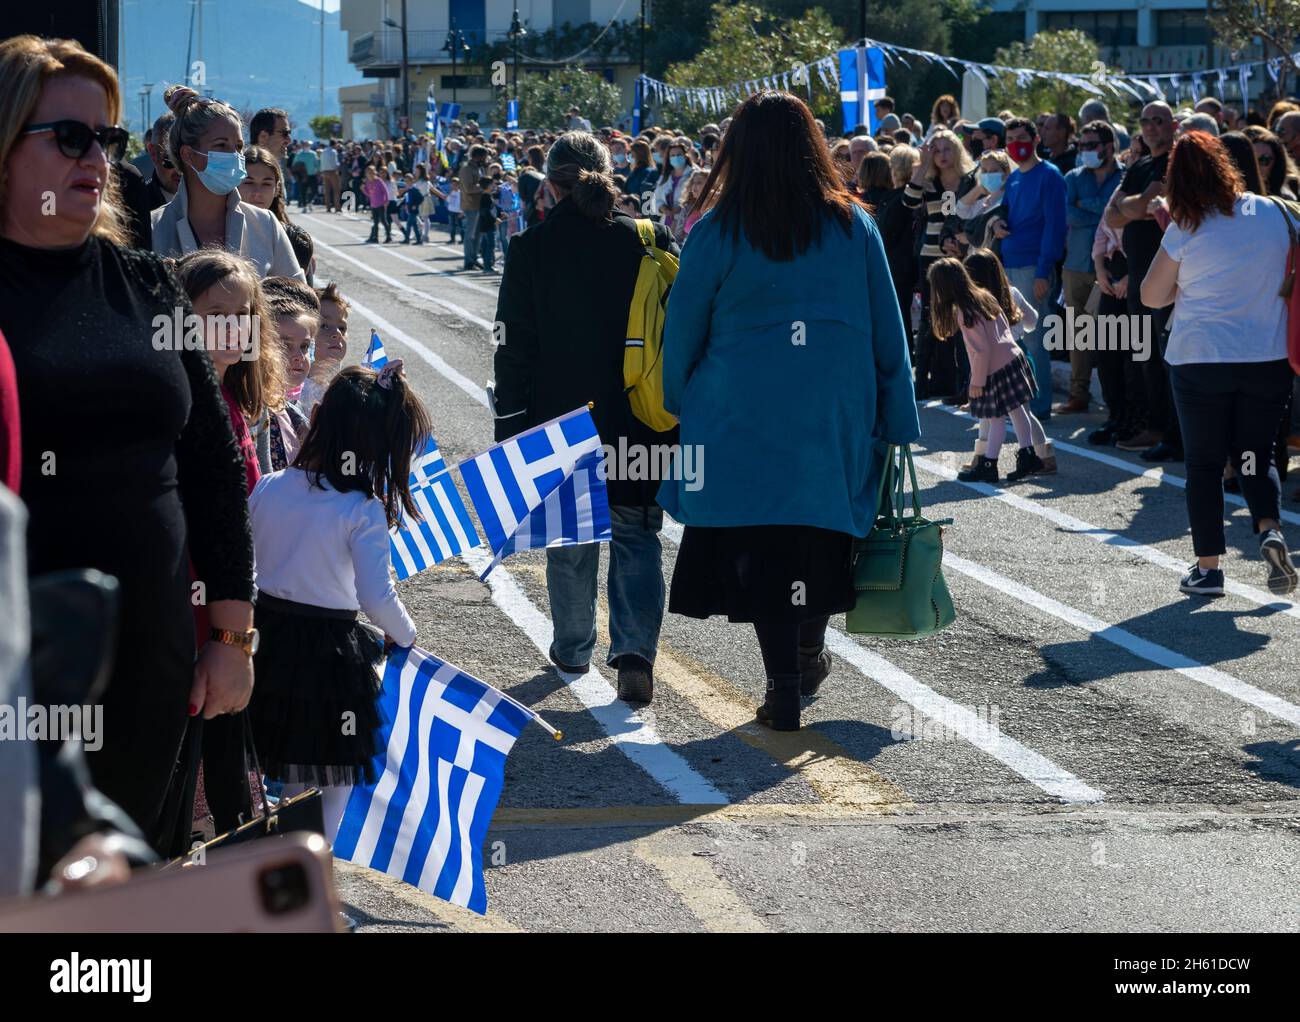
320,535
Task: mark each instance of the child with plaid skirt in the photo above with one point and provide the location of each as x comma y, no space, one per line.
1001,380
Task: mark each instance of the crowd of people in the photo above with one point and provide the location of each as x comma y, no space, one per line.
921,262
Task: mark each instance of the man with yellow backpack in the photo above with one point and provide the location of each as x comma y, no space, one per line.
579,320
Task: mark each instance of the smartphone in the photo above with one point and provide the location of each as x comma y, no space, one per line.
284,885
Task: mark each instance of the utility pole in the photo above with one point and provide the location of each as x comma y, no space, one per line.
406,77
862,19
322,58
516,30
643,37
454,44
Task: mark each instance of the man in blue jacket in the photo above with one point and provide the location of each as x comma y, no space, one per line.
1033,241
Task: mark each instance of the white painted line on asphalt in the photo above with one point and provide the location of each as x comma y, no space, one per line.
1079,527
422,265
475,390
442,303
632,735
1037,769
1159,475
1144,649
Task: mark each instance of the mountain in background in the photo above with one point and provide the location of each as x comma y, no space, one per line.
256,53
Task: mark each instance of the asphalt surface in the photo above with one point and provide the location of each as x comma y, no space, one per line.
1084,749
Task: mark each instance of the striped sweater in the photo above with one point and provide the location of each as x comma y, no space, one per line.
935,218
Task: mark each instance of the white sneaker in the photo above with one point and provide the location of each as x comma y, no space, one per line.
1281,571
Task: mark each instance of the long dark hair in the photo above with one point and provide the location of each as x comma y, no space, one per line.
1242,153
985,269
774,178
956,300
362,437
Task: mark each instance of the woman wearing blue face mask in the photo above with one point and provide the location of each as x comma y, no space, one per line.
207,212
977,207
668,198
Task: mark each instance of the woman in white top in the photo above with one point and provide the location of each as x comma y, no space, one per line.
207,141
320,533
1221,263
989,192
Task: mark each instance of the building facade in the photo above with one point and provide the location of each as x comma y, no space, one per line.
375,47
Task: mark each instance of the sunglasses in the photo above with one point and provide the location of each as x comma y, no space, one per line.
74,138
1089,146
1154,121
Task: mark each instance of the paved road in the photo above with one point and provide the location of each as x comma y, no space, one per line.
1084,749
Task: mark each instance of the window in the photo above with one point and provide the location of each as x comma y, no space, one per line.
1109,28
470,17
1181,28
574,12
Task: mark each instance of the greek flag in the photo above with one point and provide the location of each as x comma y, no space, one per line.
862,82
444,741
376,357
431,123
447,529
542,488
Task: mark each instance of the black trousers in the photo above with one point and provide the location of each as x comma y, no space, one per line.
779,642
1162,413
1230,413
1120,376
936,357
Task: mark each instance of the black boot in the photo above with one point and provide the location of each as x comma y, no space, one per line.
984,470
780,711
814,665
1027,463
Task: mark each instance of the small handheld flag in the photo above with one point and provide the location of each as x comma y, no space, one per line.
376,357
440,772
542,488
446,530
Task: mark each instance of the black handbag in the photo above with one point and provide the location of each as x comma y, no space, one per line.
301,813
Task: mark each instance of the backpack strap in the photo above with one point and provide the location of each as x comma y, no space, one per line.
645,230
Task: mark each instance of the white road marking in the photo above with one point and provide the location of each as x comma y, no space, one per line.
1158,475
632,735
422,265
442,303
1037,769
1144,649
1079,527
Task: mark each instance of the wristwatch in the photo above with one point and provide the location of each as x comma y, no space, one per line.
247,641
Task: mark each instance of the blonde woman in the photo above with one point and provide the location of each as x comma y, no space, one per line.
207,142
135,420
942,178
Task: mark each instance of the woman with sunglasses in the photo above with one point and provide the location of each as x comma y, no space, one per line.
1275,165
207,143
129,464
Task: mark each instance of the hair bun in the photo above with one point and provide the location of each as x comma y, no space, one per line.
178,97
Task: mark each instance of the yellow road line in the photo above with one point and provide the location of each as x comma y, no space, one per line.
706,895
460,919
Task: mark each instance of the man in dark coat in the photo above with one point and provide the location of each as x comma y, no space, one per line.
563,312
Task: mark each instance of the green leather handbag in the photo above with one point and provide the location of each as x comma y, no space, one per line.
898,566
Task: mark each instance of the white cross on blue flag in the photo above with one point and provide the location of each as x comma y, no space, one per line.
447,529
862,82
542,488
444,743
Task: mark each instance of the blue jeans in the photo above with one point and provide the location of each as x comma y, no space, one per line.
636,590
1022,277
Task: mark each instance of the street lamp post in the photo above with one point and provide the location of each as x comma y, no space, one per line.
455,44
146,91
406,77
516,31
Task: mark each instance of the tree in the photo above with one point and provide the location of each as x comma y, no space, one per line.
1276,23
745,43
1069,50
327,127
544,98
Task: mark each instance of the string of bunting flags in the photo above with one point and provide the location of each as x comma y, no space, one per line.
1143,87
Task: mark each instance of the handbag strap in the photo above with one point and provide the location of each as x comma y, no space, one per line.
251,748
893,487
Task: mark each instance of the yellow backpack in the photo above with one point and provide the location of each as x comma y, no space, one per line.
643,368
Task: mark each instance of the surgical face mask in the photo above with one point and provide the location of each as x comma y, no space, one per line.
1020,151
992,182
620,159
1090,158
659,159
223,173
678,162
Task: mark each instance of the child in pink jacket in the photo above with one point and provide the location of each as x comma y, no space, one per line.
1001,381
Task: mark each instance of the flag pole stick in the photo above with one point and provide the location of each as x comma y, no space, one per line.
554,732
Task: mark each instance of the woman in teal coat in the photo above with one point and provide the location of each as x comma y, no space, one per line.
786,362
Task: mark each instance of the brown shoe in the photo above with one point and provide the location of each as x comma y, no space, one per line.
1140,442
1071,407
